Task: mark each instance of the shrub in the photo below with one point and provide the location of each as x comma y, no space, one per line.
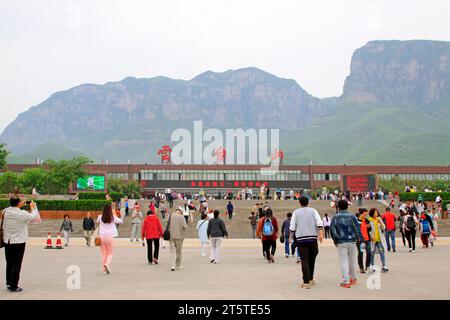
115,196
427,196
69,205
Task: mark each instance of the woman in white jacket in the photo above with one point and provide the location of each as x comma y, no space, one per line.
378,240
202,227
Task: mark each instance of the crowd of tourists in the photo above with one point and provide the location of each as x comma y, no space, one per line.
359,237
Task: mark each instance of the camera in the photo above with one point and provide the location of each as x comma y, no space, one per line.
28,202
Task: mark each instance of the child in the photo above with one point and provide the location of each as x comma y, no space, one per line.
425,229
66,227
285,233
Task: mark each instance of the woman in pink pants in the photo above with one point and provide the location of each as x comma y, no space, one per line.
107,232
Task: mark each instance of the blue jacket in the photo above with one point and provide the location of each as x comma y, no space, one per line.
345,228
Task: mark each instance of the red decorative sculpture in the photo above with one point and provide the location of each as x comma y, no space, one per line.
165,154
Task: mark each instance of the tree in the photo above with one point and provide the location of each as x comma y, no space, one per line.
35,177
115,185
132,187
8,181
3,154
62,173
124,188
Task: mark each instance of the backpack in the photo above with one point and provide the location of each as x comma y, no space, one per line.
268,228
425,226
410,223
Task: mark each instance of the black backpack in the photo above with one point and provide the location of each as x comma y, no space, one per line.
410,223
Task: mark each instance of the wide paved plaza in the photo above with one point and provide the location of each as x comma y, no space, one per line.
243,274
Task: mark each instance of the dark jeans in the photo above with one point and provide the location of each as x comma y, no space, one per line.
411,237
390,239
360,255
327,232
308,253
293,247
403,238
269,247
230,215
150,254
14,256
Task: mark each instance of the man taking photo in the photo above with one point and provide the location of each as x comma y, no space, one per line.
15,228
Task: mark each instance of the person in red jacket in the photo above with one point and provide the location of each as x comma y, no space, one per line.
389,220
152,231
268,231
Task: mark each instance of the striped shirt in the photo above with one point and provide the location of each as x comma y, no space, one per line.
306,223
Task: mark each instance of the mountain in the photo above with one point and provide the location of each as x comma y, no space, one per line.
135,108
401,73
394,109
46,151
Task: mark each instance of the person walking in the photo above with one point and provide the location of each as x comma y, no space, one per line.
136,223
253,223
345,232
202,227
107,231
410,224
15,235
152,231
365,244
216,231
400,219
176,226
286,234
268,232
389,220
425,230
163,209
66,228
152,206
230,210
307,227
326,225
127,207
187,213
88,228
170,199
378,240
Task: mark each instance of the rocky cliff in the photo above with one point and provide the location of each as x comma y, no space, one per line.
400,73
249,98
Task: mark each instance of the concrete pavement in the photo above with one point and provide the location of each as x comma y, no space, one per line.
243,274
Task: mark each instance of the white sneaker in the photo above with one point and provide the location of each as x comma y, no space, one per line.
180,267
107,270
413,251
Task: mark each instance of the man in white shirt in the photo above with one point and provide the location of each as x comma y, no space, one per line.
15,228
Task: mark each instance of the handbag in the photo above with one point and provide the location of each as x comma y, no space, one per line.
166,234
2,242
282,238
98,240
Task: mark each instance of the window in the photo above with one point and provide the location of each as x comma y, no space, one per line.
118,175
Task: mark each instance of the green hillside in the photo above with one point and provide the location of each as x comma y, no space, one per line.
370,134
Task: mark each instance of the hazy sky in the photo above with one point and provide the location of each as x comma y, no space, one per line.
48,46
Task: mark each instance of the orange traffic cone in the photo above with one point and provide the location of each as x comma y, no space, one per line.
59,242
49,241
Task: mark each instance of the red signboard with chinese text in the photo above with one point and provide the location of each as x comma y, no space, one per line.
359,183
